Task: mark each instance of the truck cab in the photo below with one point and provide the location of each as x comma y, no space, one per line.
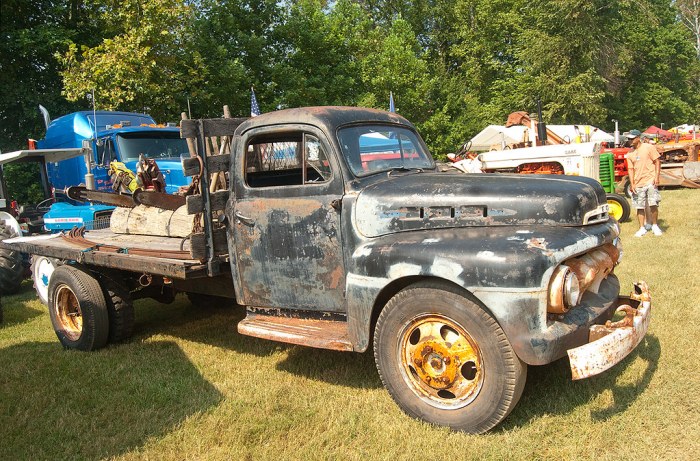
120,136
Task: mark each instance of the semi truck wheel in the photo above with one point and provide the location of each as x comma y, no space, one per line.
11,266
445,360
42,268
78,309
120,310
619,207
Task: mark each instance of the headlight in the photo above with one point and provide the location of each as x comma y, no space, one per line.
564,290
572,291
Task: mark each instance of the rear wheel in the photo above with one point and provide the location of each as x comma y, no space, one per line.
619,207
445,360
120,310
11,266
78,309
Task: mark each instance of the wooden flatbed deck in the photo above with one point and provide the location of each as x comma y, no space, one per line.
56,246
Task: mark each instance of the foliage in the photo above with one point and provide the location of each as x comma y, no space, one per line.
453,66
143,63
31,32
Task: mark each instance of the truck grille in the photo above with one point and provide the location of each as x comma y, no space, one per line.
101,220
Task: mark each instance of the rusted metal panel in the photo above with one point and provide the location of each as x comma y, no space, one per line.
434,200
611,343
324,334
289,253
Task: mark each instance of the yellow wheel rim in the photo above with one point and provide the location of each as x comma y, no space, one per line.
440,361
68,313
615,209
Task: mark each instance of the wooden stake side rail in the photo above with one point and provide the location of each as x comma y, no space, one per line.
62,249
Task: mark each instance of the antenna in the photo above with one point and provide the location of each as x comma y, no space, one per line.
189,109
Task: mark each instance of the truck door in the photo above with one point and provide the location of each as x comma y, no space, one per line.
286,221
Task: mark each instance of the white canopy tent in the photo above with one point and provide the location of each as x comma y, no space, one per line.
497,137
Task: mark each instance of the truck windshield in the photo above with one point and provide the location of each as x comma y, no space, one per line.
151,145
369,149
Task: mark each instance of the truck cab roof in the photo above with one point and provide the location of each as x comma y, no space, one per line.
328,118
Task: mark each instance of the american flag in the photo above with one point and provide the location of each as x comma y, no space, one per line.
254,108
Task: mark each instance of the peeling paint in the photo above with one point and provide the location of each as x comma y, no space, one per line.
362,251
447,269
403,270
490,255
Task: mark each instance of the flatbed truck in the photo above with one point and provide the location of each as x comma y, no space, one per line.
333,229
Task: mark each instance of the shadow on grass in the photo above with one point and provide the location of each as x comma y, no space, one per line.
348,369
57,404
549,389
217,327
21,307
213,326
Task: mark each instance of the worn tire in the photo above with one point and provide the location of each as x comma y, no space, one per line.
78,309
120,310
445,360
203,300
11,265
42,268
619,207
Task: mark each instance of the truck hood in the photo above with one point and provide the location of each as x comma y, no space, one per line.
414,201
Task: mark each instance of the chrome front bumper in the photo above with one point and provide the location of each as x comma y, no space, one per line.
610,343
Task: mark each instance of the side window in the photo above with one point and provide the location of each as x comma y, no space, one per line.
105,152
291,159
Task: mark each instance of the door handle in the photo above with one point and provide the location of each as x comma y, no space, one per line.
244,219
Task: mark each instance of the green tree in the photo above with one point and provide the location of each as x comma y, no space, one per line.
145,62
31,32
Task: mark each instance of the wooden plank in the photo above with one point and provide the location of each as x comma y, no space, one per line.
140,264
198,248
212,127
195,203
215,163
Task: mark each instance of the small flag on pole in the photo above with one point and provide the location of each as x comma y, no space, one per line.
254,108
392,108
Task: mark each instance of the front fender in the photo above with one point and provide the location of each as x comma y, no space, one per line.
506,268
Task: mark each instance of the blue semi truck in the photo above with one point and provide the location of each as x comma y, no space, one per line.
121,136
85,143
78,149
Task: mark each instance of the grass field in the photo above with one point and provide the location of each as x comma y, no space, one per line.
187,386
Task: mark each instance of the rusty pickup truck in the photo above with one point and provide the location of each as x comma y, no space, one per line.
333,228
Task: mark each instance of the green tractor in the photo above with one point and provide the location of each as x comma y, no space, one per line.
619,206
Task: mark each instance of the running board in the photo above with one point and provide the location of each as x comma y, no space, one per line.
323,334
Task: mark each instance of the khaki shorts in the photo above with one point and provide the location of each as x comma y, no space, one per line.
648,194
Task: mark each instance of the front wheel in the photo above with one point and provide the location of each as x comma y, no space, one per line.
445,360
619,207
